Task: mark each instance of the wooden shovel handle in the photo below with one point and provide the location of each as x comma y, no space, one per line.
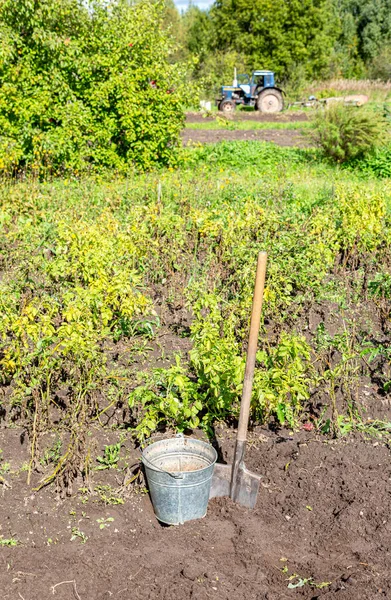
252,347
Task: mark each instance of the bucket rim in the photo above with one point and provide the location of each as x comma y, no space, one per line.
151,466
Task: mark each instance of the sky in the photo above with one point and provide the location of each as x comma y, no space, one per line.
183,4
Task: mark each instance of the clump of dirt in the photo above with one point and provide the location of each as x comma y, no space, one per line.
321,524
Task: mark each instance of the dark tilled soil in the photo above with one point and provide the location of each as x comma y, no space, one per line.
281,137
253,115
322,513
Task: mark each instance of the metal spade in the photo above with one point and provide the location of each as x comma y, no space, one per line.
235,480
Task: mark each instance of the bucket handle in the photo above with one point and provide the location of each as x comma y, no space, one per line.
174,475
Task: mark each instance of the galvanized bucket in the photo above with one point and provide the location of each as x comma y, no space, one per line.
179,473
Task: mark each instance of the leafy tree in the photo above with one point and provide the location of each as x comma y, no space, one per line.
277,35
86,83
198,28
380,67
365,29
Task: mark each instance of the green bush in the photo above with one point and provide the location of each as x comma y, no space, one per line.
86,83
344,133
377,163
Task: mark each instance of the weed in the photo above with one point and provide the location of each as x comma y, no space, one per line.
103,523
345,133
295,581
107,495
52,455
110,458
10,542
78,535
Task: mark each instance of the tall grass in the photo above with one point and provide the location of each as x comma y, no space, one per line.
377,90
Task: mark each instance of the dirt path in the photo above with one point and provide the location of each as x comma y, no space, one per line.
322,513
281,137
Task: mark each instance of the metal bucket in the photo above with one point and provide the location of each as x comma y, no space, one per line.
179,473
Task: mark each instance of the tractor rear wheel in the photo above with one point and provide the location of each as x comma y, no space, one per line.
227,106
270,101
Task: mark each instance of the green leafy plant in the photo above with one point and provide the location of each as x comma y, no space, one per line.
85,85
110,457
376,163
167,397
5,466
78,535
107,495
380,286
52,455
344,133
281,385
104,523
9,542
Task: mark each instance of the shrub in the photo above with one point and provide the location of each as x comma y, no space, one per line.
377,163
344,133
86,83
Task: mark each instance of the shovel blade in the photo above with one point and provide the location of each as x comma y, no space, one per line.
221,481
246,489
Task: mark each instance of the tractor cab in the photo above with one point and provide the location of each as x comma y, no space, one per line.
258,91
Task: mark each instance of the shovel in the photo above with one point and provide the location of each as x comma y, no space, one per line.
235,480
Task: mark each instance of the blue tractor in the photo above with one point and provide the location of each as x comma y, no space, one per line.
260,92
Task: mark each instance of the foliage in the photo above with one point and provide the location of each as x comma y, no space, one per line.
380,68
52,455
345,133
86,84
380,285
360,216
168,397
78,534
244,154
212,390
376,163
110,457
87,263
299,40
9,542
365,30
278,37
103,523
283,384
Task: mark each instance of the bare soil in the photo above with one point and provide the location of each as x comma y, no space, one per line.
253,115
288,138
322,513
281,137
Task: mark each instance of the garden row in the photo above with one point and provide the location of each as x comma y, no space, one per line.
97,274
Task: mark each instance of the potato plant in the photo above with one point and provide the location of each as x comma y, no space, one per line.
96,272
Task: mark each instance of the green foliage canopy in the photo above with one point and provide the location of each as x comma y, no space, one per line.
86,83
277,35
365,31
